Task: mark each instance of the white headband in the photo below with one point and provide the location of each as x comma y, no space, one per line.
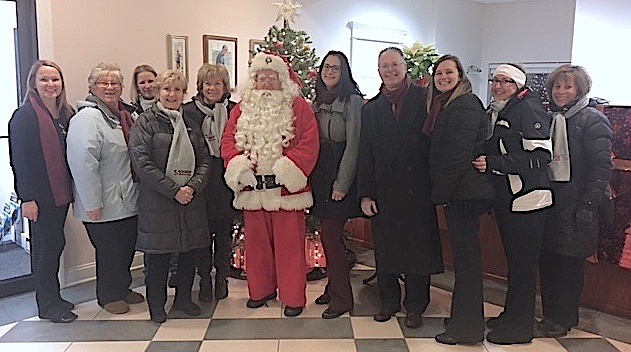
513,72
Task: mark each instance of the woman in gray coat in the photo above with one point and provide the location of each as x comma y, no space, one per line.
172,162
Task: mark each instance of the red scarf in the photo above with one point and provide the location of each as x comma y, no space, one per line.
54,156
126,123
397,96
438,103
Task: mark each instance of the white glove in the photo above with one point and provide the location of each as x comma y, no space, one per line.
247,178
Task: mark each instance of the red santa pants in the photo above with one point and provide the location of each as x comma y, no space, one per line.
275,245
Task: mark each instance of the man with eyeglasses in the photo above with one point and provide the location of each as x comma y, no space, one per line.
270,146
394,188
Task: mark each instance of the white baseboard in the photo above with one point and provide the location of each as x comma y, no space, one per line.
87,272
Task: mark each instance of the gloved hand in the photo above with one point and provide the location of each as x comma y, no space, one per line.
247,178
585,217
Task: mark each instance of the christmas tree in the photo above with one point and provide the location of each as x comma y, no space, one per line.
295,46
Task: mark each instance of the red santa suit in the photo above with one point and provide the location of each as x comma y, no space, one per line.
279,144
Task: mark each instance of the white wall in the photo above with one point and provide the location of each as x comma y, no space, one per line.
530,31
78,34
602,44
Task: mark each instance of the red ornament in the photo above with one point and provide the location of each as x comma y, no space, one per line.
313,74
279,45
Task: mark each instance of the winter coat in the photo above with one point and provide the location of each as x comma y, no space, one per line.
165,225
217,194
394,172
27,158
458,138
340,124
99,161
589,136
518,154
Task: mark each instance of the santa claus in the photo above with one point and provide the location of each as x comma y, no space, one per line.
270,147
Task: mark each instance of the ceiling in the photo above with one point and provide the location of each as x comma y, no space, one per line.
497,1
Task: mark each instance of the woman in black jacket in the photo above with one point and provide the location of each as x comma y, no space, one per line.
37,148
518,152
571,228
169,154
457,126
210,110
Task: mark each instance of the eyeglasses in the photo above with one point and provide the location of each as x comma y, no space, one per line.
267,78
108,84
334,68
502,82
393,66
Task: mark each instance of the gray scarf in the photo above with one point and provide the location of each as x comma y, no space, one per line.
559,168
145,104
494,109
214,124
181,161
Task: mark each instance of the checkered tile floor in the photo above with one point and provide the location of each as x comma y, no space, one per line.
230,326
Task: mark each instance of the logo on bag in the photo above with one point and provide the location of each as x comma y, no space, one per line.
177,172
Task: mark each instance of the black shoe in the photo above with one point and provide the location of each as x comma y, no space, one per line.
189,308
413,320
384,315
221,287
158,317
252,303
292,312
67,305
552,329
494,323
323,299
205,291
448,340
500,337
59,315
331,313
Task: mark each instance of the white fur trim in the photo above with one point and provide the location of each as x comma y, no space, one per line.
263,61
236,166
289,174
272,200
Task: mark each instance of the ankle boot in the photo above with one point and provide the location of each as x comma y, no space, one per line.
205,290
221,287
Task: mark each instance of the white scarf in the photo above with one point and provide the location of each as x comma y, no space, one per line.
214,124
145,104
494,109
559,168
181,161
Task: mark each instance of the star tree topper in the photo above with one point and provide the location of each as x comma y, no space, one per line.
287,10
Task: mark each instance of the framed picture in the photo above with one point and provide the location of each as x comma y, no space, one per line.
222,51
177,53
255,45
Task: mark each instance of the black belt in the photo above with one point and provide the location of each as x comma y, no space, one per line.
264,182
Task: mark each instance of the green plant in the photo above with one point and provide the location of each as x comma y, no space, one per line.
420,59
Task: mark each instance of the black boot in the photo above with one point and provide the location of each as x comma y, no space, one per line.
205,290
221,286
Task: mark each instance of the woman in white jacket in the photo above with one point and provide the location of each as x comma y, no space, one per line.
104,186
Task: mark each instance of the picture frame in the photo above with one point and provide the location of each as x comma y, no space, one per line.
177,53
222,50
255,44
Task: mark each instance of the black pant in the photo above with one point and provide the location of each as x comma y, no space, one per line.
416,292
467,305
521,234
218,254
561,280
47,243
114,243
158,273
339,285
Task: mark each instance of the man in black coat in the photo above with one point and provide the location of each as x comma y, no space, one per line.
394,188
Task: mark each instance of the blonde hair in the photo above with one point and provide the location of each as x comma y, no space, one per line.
171,78
133,94
63,108
208,71
104,68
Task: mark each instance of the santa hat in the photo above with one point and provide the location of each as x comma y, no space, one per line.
276,63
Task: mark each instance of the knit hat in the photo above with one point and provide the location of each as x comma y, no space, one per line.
513,72
267,61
